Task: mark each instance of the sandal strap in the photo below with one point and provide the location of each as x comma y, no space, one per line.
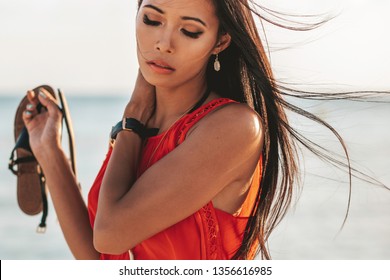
24,160
45,208
23,141
12,161
69,128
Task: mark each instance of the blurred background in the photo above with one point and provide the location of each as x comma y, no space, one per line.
87,49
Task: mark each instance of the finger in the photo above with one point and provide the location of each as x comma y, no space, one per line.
44,96
48,101
32,109
31,95
27,117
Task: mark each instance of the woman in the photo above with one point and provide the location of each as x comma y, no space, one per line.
218,176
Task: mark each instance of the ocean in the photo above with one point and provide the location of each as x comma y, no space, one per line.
310,230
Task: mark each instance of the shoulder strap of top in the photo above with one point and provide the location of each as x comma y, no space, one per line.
199,114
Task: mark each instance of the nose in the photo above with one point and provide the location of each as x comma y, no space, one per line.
164,42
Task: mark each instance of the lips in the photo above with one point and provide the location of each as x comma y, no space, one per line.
161,64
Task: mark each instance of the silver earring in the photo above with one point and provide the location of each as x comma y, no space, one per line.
217,64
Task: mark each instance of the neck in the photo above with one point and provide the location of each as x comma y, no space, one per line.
172,103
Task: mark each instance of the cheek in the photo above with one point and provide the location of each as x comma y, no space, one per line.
143,40
197,52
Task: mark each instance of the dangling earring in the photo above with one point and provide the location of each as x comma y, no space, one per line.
217,64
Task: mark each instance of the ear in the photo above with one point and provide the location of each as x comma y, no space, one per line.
222,43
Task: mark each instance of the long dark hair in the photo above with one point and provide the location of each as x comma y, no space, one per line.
246,76
246,67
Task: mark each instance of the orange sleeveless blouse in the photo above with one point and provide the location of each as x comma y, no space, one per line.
207,234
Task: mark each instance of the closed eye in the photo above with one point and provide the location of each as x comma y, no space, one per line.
150,22
193,35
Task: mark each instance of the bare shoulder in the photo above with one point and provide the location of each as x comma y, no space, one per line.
240,116
237,120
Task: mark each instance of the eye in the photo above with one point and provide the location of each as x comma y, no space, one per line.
147,21
194,35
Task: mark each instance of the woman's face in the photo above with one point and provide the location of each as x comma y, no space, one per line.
175,40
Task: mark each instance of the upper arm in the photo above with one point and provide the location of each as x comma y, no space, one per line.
223,148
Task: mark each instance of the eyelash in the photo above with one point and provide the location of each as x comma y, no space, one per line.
193,35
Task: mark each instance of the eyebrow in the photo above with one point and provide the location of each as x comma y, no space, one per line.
183,18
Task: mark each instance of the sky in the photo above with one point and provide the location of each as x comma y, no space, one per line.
87,47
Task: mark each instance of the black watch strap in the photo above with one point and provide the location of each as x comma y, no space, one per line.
130,124
134,125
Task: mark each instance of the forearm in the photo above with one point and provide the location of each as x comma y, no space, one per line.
119,177
121,171
70,207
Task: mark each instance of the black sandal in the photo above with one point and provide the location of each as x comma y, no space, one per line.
31,182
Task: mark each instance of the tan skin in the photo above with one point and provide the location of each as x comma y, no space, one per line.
215,162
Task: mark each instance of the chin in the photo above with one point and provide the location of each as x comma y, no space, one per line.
151,79
156,79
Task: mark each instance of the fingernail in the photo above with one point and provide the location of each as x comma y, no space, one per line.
31,93
29,106
41,93
27,113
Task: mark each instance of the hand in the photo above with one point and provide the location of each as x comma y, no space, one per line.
44,128
143,100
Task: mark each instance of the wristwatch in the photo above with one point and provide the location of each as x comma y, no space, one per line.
129,124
